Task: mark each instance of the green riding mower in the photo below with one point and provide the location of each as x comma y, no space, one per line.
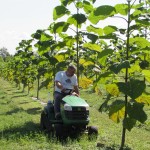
74,120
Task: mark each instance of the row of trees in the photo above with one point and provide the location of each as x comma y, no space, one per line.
4,54
114,58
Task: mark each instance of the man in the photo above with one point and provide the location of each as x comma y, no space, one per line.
65,82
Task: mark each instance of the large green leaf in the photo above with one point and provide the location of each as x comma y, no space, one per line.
133,88
43,49
85,62
140,41
66,2
95,30
102,77
134,68
79,4
145,99
109,29
37,35
103,60
91,46
143,22
109,36
70,41
101,13
92,37
60,57
105,52
135,111
129,123
52,60
77,19
60,27
136,13
146,74
121,9
93,1
60,11
45,37
59,45
116,67
116,112
112,89
87,7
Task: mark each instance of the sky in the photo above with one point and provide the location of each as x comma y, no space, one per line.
21,18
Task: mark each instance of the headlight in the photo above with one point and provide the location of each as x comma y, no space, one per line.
87,107
67,107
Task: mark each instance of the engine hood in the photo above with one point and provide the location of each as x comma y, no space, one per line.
74,101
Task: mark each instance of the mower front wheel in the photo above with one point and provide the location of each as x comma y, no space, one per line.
92,132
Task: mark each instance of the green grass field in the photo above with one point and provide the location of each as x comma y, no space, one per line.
20,117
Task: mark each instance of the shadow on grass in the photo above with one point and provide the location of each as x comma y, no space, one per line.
16,110
17,92
23,95
34,111
2,97
111,147
29,129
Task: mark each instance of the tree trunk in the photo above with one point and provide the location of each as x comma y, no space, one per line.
38,79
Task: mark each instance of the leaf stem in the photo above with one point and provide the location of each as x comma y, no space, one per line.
121,18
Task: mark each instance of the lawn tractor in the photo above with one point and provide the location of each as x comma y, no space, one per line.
74,119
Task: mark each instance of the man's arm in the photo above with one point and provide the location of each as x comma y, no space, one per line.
59,85
76,89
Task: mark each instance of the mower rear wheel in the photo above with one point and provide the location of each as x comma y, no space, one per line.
42,121
59,131
45,123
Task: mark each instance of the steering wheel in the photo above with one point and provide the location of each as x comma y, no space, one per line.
67,91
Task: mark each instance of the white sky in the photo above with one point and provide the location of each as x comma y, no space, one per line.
20,18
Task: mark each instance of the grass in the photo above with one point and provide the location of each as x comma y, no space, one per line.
20,117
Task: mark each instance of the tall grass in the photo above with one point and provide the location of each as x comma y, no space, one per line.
20,117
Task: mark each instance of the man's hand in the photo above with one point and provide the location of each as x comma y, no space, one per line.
63,90
75,94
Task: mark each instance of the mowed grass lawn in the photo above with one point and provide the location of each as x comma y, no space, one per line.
20,128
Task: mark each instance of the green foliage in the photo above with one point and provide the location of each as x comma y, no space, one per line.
77,19
66,2
101,13
140,42
129,123
91,46
121,9
146,74
144,99
112,89
95,30
88,8
60,27
116,111
134,88
135,111
116,67
60,11
109,29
